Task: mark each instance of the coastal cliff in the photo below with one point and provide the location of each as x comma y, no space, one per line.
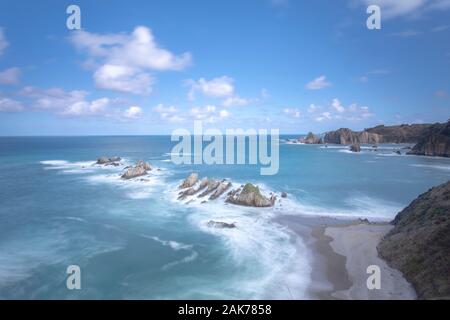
419,243
404,133
434,142
347,136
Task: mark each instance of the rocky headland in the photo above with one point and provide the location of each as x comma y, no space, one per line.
435,141
419,243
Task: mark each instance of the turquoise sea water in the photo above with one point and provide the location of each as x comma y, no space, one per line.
133,239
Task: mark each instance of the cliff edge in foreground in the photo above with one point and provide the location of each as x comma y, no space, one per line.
419,243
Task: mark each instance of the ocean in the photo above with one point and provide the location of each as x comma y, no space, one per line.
135,240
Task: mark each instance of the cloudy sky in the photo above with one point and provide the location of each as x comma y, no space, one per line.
148,67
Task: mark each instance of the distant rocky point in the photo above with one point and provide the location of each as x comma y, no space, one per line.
404,133
430,139
419,243
435,141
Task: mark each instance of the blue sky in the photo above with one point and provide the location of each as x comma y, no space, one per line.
148,67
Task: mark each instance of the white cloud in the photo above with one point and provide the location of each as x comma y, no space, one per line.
324,116
203,113
235,102
218,87
124,79
318,83
123,62
9,105
336,105
74,103
169,113
53,98
3,42
133,112
397,8
224,114
337,111
10,76
292,112
312,108
87,108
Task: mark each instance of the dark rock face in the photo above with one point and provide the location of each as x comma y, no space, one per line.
435,141
250,196
355,147
419,243
347,136
404,133
311,139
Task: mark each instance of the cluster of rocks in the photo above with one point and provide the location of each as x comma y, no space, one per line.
206,187
140,169
245,195
113,161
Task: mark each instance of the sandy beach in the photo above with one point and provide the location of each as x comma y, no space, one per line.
341,251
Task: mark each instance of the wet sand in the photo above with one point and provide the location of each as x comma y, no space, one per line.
340,252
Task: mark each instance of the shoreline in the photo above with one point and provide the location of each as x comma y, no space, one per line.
340,251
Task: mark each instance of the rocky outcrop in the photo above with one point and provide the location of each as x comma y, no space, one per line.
211,186
405,133
250,195
419,243
220,225
311,139
435,141
106,160
347,136
223,187
189,181
355,147
138,170
193,190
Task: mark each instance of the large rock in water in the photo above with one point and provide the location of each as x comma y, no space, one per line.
189,181
419,243
106,160
311,139
435,141
250,196
355,147
138,170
